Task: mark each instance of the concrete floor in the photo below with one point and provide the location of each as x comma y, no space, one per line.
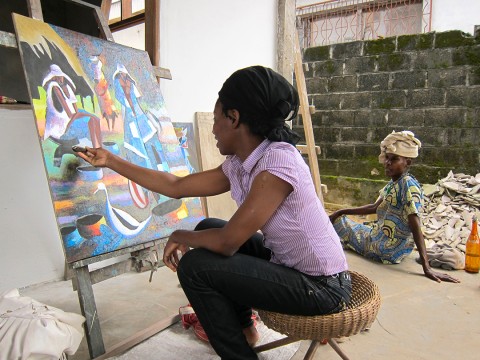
418,318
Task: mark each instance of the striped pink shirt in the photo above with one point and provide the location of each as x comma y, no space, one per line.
299,234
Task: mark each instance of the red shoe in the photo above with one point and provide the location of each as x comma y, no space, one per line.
189,318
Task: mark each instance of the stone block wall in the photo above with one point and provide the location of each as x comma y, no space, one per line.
426,83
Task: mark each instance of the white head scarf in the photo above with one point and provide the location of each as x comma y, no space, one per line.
56,71
403,143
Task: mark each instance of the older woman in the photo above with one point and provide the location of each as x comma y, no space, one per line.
296,265
398,228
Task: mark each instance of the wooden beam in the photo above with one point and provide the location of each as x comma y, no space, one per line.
304,149
152,30
127,23
106,272
139,337
162,73
89,311
102,22
285,34
35,9
126,9
307,120
105,7
8,39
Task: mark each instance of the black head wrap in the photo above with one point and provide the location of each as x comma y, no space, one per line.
264,99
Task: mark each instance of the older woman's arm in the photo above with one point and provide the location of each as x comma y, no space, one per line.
415,227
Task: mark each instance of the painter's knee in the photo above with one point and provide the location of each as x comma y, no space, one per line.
191,260
210,223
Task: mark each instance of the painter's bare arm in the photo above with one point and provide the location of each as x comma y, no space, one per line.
206,183
415,226
250,216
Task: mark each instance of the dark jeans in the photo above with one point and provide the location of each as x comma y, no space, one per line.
223,290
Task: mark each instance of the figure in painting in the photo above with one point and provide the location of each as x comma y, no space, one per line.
65,123
141,143
183,142
140,140
109,112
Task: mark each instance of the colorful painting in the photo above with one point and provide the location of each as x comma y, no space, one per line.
90,92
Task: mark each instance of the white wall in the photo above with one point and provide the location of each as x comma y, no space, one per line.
455,15
202,43
31,250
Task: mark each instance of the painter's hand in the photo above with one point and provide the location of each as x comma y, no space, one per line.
439,277
97,157
170,252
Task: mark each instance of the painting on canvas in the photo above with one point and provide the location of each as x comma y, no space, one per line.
87,91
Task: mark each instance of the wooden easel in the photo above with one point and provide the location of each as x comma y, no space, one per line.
82,277
309,149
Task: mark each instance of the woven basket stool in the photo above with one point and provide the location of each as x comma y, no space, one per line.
358,316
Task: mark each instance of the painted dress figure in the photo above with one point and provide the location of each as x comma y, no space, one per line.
107,107
183,142
398,227
140,135
65,124
141,141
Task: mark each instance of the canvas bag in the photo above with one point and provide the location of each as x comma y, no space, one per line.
30,330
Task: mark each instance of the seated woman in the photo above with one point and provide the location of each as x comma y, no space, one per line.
398,228
296,265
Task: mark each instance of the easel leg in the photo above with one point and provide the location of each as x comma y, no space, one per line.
93,332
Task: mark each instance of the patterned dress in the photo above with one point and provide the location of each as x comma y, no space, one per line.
389,239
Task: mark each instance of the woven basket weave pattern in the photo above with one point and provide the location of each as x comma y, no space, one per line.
359,315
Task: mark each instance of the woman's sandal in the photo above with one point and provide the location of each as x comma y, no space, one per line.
189,319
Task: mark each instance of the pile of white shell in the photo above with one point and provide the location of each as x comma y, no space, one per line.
448,208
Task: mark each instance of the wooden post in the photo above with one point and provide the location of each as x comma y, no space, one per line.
285,34
102,24
35,9
106,5
152,30
93,332
126,9
306,119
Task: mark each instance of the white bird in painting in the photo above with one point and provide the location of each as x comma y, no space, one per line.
120,220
